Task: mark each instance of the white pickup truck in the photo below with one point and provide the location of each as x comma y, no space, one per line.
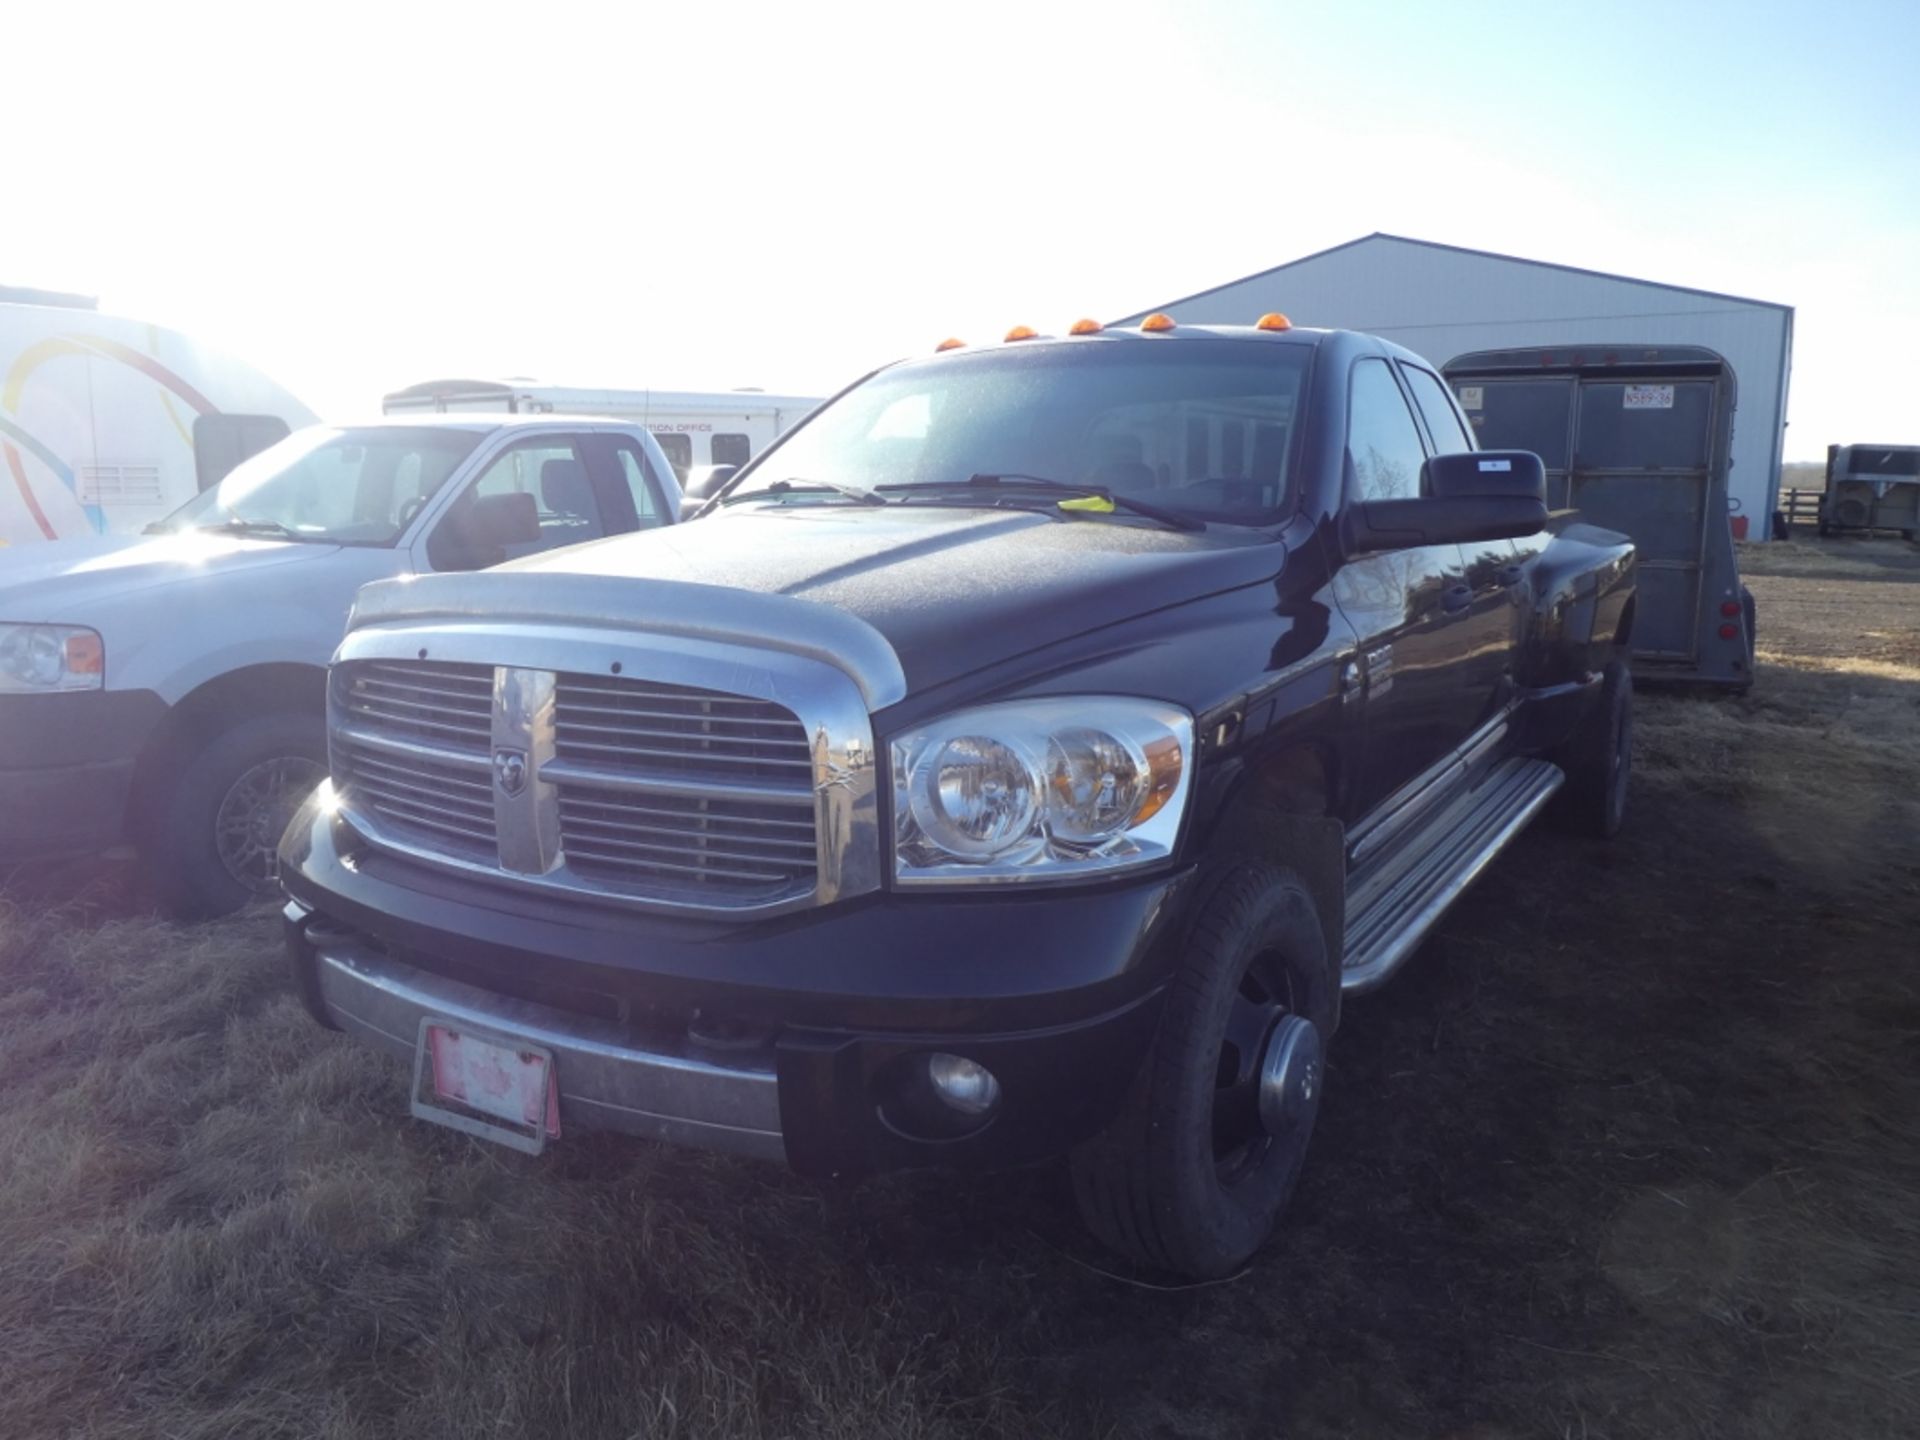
169,689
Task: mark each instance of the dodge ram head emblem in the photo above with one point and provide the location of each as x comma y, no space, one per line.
510,771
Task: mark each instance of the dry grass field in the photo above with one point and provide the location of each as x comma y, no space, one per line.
1632,1149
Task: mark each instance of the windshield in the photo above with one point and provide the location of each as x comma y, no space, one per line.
348,487
1203,429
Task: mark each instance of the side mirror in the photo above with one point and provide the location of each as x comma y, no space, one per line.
1482,474
1478,495
707,482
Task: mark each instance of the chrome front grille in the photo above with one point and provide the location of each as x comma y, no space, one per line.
447,706
666,839
436,803
628,789
634,725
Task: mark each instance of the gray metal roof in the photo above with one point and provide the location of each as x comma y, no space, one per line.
1479,254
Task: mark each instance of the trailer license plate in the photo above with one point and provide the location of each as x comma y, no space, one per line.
491,1086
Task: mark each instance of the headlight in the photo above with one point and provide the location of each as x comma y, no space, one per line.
39,658
1040,790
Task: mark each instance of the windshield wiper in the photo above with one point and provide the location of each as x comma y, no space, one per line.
791,487
1014,480
241,525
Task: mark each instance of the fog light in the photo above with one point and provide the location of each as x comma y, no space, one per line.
966,1085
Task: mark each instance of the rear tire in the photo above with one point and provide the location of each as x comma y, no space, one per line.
1598,760
1193,1173
213,832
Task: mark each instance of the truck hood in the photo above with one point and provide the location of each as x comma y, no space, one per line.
91,581
949,589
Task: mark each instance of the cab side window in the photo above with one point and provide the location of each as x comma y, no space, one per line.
679,452
535,496
1450,436
1383,443
731,449
648,506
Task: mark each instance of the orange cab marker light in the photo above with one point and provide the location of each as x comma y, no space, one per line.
1023,332
1084,327
950,343
1273,320
1157,321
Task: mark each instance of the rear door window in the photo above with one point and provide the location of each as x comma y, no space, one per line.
1450,437
679,452
732,449
648,506
1383,443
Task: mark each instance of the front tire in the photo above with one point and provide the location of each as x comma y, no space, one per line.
214,831
1598,761
1194,1172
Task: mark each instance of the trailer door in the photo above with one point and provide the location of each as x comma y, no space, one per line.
1642,456
1525,414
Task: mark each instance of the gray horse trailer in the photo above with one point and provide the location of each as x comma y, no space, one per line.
1636,438
1872,487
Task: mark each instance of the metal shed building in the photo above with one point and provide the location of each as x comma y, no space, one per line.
1442,301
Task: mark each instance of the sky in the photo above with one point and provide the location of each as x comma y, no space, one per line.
711,195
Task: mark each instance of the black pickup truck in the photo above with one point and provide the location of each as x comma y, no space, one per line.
1020,759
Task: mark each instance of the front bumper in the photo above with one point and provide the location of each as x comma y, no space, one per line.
66,769
608,1081
787,1039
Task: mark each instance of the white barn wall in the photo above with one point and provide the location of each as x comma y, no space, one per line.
1441,302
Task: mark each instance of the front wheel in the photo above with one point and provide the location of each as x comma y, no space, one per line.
214,833
1194,1172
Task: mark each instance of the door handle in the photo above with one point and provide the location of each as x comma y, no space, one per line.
1457,597
1507,575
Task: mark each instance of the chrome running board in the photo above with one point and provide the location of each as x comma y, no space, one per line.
1393,901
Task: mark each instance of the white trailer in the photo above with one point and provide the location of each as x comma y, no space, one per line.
108,423
696,428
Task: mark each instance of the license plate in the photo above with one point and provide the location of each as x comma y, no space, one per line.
491,1086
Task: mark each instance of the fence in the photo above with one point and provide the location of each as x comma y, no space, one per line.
1801,507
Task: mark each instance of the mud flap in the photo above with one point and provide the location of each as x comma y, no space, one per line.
1314,847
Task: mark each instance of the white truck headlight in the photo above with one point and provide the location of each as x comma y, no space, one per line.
1053,789
35,659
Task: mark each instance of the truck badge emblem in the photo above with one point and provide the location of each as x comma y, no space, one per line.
510,771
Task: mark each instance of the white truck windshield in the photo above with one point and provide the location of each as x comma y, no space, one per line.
333,486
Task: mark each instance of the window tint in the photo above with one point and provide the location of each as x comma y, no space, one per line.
679,450
351,487
1382,440
1449,436
552,472
1205,429
732,449
633,469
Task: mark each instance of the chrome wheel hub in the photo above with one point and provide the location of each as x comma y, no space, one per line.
1290,1076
